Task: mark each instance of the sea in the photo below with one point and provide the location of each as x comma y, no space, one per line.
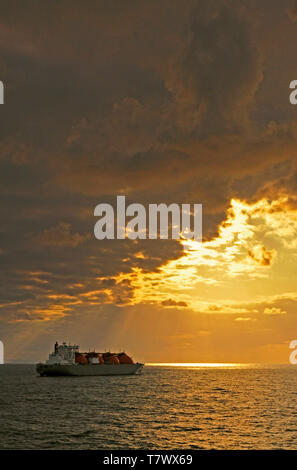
167,407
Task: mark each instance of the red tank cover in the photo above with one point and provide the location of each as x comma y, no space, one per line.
110,358
80,359
125,359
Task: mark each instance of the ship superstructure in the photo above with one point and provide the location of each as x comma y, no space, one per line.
63,354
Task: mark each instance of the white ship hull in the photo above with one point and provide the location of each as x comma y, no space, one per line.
88,369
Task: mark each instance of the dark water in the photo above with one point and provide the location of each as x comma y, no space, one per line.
166,407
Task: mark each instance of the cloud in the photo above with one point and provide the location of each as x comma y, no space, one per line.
292,13
61,236
173,303
219,69
164,102
237,255
244,319
261,255
274,311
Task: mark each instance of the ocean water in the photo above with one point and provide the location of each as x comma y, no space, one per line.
244,407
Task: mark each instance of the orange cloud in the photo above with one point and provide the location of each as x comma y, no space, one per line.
203,277
173,303
261,255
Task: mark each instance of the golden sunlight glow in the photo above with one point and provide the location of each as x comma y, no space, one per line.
255,248
199,365
255,245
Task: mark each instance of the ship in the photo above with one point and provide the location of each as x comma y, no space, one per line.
67,360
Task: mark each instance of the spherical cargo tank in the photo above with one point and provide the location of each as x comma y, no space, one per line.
81,359
125,359
110,358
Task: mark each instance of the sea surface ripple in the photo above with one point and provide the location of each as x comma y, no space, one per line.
252,407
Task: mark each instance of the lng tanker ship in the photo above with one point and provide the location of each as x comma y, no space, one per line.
67,360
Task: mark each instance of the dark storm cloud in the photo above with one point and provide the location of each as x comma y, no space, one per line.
61,235
197,130
219,70
156,99
292,12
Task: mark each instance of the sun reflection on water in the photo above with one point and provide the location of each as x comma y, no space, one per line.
201,364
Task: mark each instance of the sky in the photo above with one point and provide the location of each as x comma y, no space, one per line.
160,101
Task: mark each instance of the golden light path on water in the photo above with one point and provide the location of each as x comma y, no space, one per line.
199,364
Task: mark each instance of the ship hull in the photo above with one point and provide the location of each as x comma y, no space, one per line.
78,370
